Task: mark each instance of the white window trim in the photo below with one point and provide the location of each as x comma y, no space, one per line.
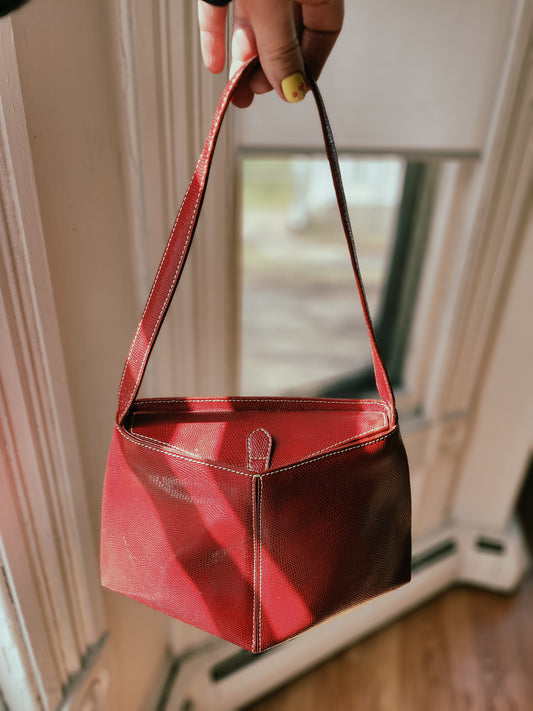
167,110
50,602
477,229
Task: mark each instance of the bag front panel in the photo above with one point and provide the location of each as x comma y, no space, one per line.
334,532
178,536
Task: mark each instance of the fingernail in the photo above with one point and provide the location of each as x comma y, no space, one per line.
294,87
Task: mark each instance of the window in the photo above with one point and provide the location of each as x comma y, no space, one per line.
302,326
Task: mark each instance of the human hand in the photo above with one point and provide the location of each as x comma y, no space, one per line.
287,36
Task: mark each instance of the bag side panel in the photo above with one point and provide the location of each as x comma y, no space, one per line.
335,532
178,536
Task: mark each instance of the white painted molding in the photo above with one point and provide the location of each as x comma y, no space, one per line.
89,689
51,594
477,230
131,154
18,682
167,102
478,276
500,444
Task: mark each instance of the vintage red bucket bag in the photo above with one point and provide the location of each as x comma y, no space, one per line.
252,518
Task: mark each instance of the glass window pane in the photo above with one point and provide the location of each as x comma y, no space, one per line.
302,325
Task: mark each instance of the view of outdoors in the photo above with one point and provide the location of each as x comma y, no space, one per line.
302,326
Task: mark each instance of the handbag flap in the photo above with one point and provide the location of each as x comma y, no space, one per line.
224,430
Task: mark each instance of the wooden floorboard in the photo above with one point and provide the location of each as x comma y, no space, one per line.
467,650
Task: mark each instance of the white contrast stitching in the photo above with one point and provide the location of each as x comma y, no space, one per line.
318,400
347,226
249,451
124,434
260,557
250,457
348,439
165,444
254,555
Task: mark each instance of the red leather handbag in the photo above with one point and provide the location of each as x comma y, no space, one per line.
252,518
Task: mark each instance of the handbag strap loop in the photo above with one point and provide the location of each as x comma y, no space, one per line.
176,251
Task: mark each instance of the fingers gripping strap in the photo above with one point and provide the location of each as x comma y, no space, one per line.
175,255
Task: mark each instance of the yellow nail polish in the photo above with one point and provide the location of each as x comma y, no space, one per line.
294,87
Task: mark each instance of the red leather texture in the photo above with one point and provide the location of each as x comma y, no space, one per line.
252,518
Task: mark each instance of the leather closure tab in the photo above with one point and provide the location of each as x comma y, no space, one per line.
259,450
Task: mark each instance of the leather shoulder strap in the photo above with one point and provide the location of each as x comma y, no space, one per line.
175,255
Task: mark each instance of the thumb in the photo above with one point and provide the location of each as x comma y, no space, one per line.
278,46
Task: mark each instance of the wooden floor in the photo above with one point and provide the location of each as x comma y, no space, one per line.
468,650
